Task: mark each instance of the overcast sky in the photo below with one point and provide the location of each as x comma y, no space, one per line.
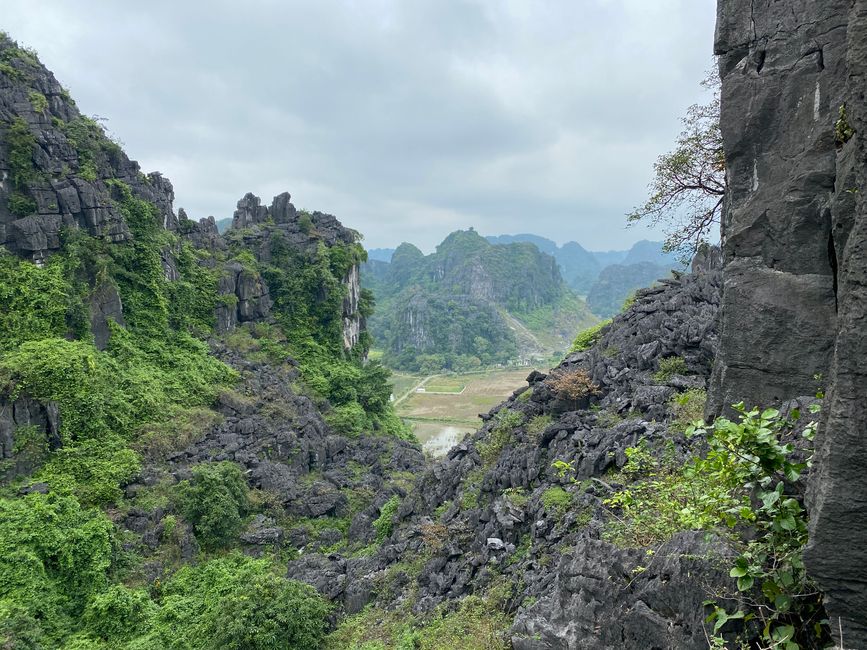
407,119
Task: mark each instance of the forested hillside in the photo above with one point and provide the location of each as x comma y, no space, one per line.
471,303
169,398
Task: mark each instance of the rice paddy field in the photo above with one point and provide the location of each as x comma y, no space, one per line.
449,407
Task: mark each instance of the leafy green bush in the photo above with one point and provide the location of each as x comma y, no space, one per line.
668,368
119,613
588,338
687,407
384,524
22,171
348,419
748,489
38,101
477,622
214,501
92,470
237,603
843,132
556,500
538,424
36,300
500,435
54,556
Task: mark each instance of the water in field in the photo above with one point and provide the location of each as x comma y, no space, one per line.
449,406
437,438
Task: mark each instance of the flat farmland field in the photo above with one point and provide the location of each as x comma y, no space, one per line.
441,420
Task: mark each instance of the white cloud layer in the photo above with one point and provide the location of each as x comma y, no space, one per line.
405,118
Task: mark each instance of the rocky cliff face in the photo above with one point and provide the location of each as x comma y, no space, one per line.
793,122
61,176
54,165
484,513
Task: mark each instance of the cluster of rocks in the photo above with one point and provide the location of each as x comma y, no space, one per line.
64,195
288,451
477,515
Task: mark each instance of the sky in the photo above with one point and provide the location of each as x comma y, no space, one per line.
407,119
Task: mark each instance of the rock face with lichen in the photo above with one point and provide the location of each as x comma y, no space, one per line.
793,307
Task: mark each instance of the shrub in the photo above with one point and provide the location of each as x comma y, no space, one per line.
54,556
237,603
119,613
572,385
305,223
347,419
384,524
213,501
747,488
538,424
843,132
477,622
499,435
687,407
668,368
38,101
556,500
588,338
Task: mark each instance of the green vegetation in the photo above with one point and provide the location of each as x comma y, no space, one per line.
437,292
479,622
842,131
686,195
687,407
587,338
214,501
538,424
308,302
747,489
499,436
38,101
94,148
556,500
384,524
22,171
71,579
668,368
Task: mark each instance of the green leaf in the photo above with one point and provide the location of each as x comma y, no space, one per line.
737,572
745,583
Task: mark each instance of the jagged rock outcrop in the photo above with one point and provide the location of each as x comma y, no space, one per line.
261,228
483,512
793,123
837,556
289,452
63,184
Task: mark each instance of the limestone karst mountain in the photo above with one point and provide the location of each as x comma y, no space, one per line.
196,452
463,306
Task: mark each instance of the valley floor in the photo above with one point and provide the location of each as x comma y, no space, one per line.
451,403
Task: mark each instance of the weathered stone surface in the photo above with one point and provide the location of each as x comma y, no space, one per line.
837,555
782,67
793,291
605,597
42,422
64,188
105,307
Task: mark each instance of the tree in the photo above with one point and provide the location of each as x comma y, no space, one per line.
686,194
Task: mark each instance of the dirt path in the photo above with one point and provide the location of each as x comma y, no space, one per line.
527,341
414,389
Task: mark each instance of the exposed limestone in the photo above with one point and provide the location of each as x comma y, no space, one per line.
782,66
794,231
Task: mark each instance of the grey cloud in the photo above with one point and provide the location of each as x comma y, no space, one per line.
404,118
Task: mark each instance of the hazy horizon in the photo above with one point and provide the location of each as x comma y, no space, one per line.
405,120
